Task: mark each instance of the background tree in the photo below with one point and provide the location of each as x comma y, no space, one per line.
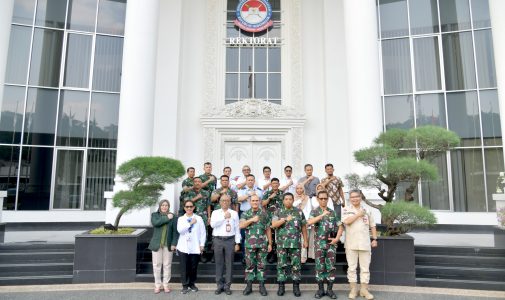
145,178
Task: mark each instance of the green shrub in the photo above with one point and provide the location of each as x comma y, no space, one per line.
101,230
400,217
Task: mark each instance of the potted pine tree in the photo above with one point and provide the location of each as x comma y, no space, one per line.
108,254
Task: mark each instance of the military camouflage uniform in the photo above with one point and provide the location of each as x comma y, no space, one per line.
201,204
212,185
288,239
229,192
188,182
275,203
256,244
325,253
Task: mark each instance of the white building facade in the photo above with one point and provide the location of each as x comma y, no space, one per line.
89,84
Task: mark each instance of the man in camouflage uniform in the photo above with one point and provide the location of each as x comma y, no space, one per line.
187,184
224,189
272,201
288,222
258,242
209,181
326,223
201,200
334,186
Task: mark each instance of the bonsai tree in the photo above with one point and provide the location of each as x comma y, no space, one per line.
399,155
145,178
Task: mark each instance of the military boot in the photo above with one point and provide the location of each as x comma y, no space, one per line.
354,290
282,289
330,292
296,288
320,291
248,288
363,292
263,290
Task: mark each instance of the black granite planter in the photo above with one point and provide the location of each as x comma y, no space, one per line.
499,237
105,258
393,261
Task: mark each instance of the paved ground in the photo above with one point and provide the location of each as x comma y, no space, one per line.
144,291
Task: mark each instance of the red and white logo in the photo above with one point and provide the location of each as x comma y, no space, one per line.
254,15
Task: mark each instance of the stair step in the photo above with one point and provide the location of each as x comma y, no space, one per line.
460,251
36,247
9,269
460,284
458,260
463,273
36,280
29,257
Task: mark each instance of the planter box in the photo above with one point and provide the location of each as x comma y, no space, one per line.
393,261
499,237
105,258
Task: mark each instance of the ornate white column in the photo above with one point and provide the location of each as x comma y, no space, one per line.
363,80
6,8
496,7
135,133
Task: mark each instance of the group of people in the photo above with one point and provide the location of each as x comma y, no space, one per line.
270,218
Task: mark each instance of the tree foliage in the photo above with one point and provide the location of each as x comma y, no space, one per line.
145,178
404,156
400,217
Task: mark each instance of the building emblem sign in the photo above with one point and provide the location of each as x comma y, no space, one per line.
254,15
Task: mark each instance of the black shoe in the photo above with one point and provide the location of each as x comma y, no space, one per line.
213,259
227,291
185,290
281,290
218,291
296,288
248,288
203,259
263,290
330,292
271,258
320,291
193,288
243,261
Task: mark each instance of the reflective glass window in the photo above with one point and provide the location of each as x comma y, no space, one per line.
430,110
77,61
427,64
459,64
231,86
246,59
72,118
454,15
68,184
485,58
108,63
490,112
100,172
260,85
246,85
19,52
111,16
232,59
274,59
463,115
436,193
468,180
103,123
51,13
82,15
11,117
260,60
494,166
35,178
480,13
423,16
274,86
393,18
40,119
9,162
46,57
399,112
23,11
396,66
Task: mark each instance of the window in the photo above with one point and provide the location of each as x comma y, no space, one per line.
253,70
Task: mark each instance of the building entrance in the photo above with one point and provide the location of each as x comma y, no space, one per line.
256,155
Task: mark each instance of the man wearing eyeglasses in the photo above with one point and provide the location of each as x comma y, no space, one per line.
326,223
288,183
242,180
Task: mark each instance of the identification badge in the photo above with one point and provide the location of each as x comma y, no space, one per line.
228,227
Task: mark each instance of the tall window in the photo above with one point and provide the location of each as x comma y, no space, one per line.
253,70
438,69
59,110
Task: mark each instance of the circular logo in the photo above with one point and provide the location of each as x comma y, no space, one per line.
254,15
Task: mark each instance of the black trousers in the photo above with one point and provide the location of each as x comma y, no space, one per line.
189,265
224,251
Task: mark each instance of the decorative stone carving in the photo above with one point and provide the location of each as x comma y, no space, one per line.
252,108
